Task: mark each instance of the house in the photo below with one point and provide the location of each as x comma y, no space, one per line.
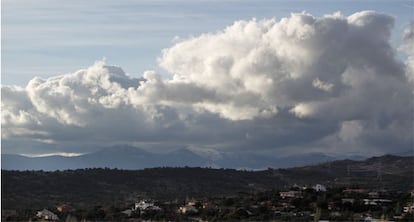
153,207
361,191
348,200
408,209
143,204
368,219
290,194
373,194
64,208
319,188
188,209
47,215
336,214
127,212
146,205
192,202
370,202
375,202
207,205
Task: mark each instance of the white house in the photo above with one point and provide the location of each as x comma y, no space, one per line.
47,215
145,205
127,212
373,194
409,209
319,188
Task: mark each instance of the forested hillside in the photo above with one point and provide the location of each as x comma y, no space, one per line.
33,189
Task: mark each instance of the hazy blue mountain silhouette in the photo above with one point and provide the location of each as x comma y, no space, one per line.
122,157
128,157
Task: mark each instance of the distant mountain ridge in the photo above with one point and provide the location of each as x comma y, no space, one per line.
122,157
133,158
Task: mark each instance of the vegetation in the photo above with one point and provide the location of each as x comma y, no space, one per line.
103,193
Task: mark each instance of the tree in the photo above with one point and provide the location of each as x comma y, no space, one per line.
318,214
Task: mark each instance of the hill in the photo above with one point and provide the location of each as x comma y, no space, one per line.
87,187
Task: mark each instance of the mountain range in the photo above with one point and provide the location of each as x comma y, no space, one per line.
133,158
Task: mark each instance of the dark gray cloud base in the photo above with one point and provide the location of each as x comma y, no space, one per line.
303,83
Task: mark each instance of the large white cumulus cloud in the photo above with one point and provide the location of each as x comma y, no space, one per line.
303,81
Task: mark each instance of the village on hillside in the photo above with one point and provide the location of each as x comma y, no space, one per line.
297,203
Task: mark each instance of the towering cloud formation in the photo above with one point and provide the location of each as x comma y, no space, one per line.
329,84
408,48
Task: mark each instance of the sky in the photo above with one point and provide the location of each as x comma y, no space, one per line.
277,77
